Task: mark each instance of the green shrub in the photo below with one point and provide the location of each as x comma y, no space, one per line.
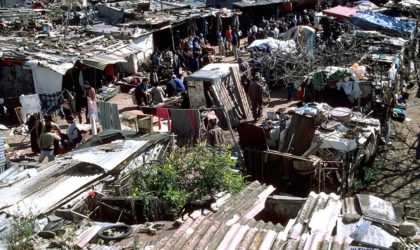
21,229
189,173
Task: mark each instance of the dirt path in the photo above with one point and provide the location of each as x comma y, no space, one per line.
396,173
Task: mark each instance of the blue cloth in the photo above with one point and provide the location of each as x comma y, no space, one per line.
370,20
51,102
235,39
180,87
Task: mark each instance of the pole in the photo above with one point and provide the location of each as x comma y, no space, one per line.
240,156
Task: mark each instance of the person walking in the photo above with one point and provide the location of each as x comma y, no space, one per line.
46,143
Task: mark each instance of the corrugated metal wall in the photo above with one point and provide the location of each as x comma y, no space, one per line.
2,156
9,3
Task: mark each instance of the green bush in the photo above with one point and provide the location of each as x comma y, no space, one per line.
21,230
189,173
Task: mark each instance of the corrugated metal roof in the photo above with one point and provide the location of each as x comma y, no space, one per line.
65,177
232,226
244,4
321,213
110,155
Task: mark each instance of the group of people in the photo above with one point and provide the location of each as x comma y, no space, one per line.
147,94
49,140
229,41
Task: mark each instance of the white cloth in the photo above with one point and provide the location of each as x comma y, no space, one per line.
30,104
334,140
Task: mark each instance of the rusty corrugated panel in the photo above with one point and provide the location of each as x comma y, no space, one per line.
65,176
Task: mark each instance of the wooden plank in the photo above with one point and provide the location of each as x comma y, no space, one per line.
240,92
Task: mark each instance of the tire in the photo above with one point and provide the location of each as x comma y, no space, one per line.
127,232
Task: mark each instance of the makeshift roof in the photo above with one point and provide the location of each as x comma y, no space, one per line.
245,4
340,12
232,226
374,21
100,61
71,174
211,72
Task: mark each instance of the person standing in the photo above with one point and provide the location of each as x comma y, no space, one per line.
228,35
89,92
290,90
255,92
221,44
235,43
46,143
35,128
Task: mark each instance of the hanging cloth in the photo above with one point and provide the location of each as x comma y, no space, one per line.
186,124
163,113
51,102
30,104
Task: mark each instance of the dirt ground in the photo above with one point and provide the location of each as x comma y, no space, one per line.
396,173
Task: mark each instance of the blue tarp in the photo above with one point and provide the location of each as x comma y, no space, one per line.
375,21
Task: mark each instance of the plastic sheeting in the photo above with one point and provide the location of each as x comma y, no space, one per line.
271,44
48,78
30,104
374,21
334,140
212,72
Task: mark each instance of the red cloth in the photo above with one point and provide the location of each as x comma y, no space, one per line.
109,70
228,34
299,94
163,113
288,7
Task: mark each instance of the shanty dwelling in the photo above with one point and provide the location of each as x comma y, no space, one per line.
218,86
15,80
35,192
301,151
